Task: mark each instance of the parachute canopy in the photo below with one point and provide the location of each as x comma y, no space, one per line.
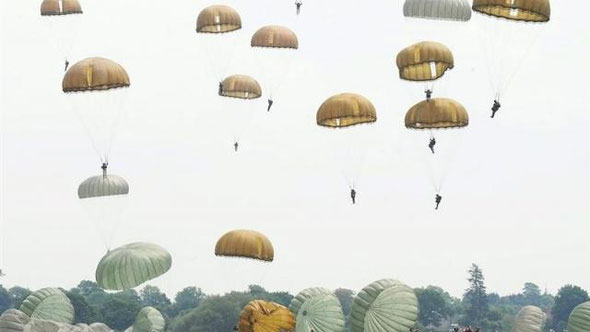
218,19
318,310
245,243
386,305
437,113
131,265
345,109
424,61
49,304
263,316
579,320
103,185
516,10
148,319
274,36
529,319
241,86
13,320
60,7
95,74
449,10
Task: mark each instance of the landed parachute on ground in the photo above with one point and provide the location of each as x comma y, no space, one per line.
49,304
131,265
264,316
386,305
448,10
318,310
246,244
579,320
148,319
13,320
529,319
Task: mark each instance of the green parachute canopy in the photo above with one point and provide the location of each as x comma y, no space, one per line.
318,310
579,320
386,305
148,319
49,304
529,319
131,265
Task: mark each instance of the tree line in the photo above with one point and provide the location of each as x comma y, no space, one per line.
191,310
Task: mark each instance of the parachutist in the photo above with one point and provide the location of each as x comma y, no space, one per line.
495,108
432,144
104,168
236,146
220,91
67,64
298,5
269,105
2,273
438,198
428,93
353,195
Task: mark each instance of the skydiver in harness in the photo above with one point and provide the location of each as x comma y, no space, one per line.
353,195
428,93
432,144
437,198
67,64
269,104
495,107
298,4
104,168
236,146
220,90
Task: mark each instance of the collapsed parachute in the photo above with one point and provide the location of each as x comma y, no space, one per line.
131,265
318,310
579,320
264,316
529,319
148,319
246,244
49,304
386,305
13,320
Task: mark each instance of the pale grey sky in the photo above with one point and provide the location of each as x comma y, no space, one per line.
515,199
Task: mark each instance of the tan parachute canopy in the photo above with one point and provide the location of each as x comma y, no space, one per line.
93,74
437,113
245,243
424,61
241,86
345,109
274,36
218,19
518,10
263,316
60,7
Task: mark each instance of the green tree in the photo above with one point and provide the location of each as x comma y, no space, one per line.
6,301
84,312
120,309
93,294
18,294
214,314
567,298
152,296
475,298
187,299
531,294
433,306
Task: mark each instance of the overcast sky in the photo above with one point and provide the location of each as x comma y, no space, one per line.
516,190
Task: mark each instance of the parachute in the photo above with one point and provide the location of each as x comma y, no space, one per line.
246,244
148,319
424,61
437,113
579,320
131,265
241,91
13,320
276,45
529,319
508,30
386,305
103,185
448,10
60,7
49,304
318,310
217,29
345,113
263,316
